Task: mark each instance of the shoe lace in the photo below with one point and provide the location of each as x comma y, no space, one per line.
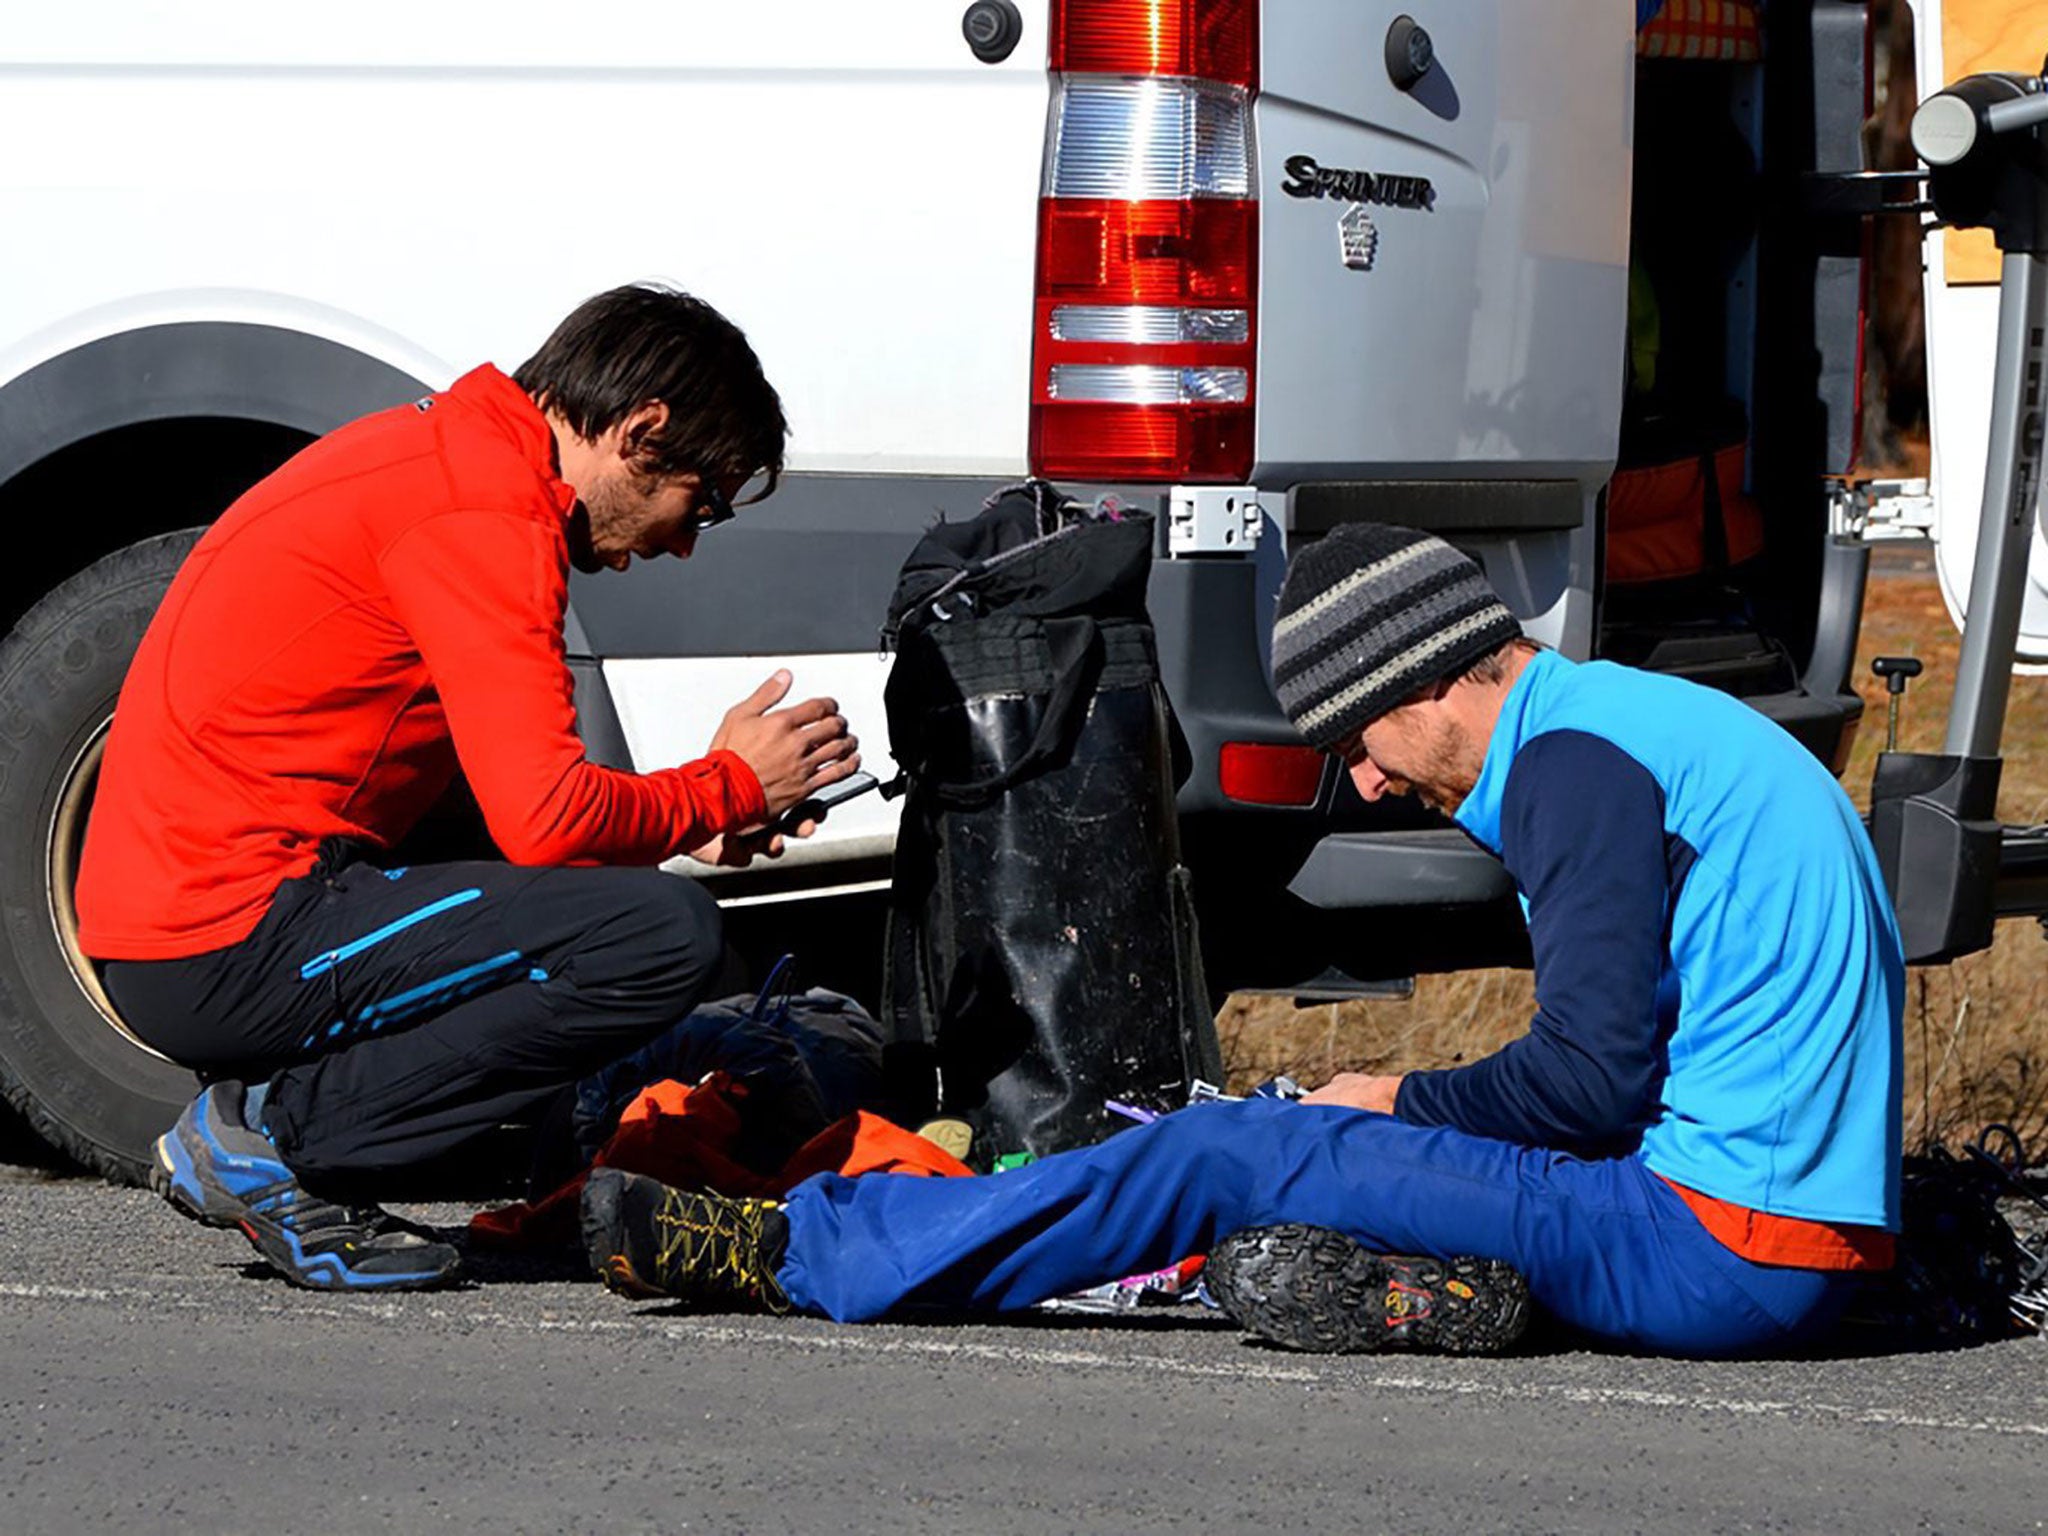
716,1244
324,1224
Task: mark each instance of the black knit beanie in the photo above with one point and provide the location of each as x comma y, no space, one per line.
1371,614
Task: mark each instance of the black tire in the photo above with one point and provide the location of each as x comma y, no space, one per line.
86,1085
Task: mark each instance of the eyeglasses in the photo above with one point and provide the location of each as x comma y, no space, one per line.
713,508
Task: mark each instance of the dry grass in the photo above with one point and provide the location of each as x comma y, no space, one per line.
1976,1031
1450,1020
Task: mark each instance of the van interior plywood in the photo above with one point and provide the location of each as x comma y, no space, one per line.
1980,35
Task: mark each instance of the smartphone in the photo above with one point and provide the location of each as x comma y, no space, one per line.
851,787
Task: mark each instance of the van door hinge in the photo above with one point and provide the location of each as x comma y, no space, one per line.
1213,519
1877,511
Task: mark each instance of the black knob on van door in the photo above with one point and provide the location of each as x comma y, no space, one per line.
992,28
1410,53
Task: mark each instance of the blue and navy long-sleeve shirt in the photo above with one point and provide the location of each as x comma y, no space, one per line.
1718,974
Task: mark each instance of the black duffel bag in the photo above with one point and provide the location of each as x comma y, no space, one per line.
1042,957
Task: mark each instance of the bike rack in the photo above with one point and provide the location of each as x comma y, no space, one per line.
1951,867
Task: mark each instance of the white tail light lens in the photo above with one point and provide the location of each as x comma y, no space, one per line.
1149,325
1140,384
1149,140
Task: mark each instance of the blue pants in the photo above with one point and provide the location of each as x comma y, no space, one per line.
1606,1245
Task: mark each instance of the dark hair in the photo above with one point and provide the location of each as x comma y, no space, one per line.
644,342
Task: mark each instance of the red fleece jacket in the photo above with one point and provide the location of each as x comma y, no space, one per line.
387,603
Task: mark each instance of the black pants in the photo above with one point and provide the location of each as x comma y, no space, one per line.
399,1013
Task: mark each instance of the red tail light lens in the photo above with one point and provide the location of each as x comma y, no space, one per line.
1089,441
1260,773
1209,39
1194,252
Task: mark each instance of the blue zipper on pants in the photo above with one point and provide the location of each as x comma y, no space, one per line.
320,964
441,992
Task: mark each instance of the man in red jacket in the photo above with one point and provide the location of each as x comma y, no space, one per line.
385,609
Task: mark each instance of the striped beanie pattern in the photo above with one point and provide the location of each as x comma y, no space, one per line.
1371,614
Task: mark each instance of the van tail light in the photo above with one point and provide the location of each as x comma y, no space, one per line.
1260,773
1204,39
1144,327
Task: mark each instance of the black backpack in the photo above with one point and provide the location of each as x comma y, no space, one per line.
1963,1276
1042,956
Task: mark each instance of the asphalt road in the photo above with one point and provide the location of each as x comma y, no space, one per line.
152,1380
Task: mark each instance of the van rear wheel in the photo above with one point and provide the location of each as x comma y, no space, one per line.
70,1066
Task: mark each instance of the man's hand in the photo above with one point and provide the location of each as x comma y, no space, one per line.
794,752
1356,1090
737,850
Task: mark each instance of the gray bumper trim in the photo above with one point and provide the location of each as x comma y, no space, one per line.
1440,506
1400,869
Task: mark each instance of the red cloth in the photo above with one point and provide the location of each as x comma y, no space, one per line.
1790,1241
1656,518
1729,31
682,1136
389,601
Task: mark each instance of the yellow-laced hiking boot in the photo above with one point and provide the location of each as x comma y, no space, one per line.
646,1240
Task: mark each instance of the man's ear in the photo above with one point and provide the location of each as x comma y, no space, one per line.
641,426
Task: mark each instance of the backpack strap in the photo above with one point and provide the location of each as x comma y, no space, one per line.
1076,646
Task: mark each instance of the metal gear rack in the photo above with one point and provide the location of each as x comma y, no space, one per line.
1952,868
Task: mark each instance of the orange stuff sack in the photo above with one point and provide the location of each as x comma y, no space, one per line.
1722,31
684,1135
1659,518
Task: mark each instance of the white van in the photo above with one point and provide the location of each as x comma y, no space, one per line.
1263,266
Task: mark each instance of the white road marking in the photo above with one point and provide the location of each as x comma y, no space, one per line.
56,1293
303,1308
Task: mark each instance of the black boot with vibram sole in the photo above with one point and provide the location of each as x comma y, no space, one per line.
646,1239
1312,1289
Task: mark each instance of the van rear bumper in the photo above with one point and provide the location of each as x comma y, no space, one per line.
1419,868
1212,640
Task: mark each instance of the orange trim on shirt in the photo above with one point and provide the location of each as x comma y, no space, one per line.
1789,1241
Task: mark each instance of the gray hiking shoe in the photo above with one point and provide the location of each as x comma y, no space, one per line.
215,1169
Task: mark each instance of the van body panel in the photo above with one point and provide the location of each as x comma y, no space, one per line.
451,176
1484,338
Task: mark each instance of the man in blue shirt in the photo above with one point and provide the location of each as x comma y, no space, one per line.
1691,1149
